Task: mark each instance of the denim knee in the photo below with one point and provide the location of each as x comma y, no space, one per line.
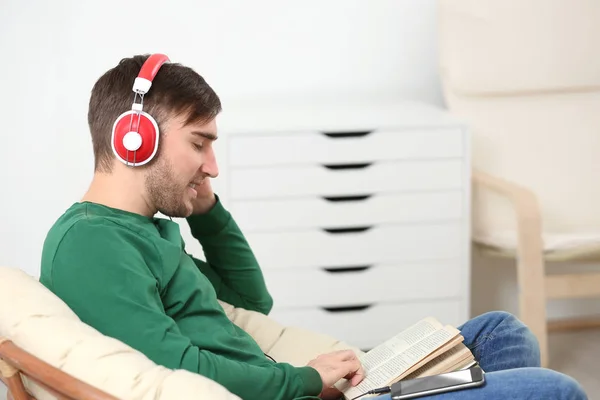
507,321
560,386
503,318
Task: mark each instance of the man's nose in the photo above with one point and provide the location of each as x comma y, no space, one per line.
209,166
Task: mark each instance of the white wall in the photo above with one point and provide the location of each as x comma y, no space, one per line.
52,52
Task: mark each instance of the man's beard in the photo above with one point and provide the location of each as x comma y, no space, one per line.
165,192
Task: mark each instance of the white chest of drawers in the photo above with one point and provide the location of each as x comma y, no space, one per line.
357,213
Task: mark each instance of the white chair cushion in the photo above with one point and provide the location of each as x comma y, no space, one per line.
552,243
39,322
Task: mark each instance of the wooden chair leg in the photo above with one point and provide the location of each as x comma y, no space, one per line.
532,306
4,368
12,378
16,388
532,280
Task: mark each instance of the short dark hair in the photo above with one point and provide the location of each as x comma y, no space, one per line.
176,90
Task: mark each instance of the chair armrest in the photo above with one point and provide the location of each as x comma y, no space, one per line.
523,200
530,251
529,221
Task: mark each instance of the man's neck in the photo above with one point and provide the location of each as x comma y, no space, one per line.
120,193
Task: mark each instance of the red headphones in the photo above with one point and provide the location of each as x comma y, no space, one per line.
135,132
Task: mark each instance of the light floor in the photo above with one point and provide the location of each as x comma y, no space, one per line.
576,354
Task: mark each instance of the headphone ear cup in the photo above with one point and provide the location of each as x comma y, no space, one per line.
135,138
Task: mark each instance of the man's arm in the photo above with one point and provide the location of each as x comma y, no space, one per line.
101,273
231,265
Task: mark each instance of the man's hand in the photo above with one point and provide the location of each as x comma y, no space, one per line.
337,365
206,197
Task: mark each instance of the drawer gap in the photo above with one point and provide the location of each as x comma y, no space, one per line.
347,308
336,270
355,229
346,134
347,198
336,167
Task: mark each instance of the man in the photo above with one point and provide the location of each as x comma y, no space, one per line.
126,272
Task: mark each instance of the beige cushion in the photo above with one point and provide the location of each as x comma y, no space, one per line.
290,344
524,76
39,322
42,324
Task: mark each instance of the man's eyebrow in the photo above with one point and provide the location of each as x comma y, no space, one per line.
206,135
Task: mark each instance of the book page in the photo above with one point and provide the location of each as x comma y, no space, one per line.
446,362
397,363
399,343
444,348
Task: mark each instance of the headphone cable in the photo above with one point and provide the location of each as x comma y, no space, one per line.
381,390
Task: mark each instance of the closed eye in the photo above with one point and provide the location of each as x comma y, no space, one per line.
198,147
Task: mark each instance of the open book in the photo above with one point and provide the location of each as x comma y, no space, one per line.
425,348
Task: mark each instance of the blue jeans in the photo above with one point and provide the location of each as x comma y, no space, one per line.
509,354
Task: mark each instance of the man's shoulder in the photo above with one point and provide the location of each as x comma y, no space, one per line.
81,232
82,223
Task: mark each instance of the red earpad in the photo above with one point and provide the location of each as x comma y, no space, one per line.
145,125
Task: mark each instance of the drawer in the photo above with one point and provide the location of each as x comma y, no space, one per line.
367,284
345,147
366,327
363,246
349,180
336,212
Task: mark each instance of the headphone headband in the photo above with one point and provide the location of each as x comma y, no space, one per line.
143,82
135,133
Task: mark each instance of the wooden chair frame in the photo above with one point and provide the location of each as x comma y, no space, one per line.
535,287
16,363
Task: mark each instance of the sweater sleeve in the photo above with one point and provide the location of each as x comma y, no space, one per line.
103,275
230,263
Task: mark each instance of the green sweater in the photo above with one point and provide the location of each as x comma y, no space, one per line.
129,277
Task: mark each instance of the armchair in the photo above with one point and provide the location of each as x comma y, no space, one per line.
46,352
525,75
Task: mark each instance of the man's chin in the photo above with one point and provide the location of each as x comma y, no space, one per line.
183,212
